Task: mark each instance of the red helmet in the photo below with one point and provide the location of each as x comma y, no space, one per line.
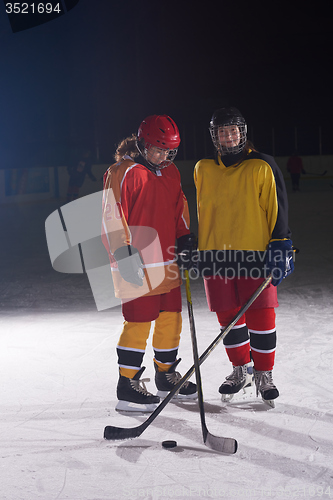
159,131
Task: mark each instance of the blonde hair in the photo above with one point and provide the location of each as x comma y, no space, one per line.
127,147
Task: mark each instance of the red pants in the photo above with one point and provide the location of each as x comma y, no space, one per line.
225,294
148,308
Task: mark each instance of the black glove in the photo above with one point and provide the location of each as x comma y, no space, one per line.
186,250
130,264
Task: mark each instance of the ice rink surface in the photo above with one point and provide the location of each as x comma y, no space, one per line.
59,373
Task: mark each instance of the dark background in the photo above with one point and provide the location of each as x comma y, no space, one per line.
89,77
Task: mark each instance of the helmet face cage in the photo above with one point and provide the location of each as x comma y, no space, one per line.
228,123
144,149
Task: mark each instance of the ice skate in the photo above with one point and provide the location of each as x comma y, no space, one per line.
166,381
133,395
265,386
239,385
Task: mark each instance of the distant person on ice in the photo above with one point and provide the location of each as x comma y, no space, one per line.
295,168
143,194
243,236
77,174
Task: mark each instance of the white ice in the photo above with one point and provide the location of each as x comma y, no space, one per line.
59,373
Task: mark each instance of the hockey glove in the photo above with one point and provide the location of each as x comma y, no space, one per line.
279,260
186,249
130,264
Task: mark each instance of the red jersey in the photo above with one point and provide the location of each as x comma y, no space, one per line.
149,211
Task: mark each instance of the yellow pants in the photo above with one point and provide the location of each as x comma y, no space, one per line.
133,340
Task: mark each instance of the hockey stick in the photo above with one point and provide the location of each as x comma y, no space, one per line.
214,442
111,432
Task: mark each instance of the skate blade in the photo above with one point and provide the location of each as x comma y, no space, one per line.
128,407
178,397
248,400
269,402
244,394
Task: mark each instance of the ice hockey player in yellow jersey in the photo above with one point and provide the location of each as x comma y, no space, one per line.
243,236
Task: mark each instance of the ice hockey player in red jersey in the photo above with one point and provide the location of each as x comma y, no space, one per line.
144,213
243,236
295,168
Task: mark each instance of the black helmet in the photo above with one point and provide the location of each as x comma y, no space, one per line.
228,117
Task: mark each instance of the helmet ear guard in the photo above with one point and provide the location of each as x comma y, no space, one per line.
228,117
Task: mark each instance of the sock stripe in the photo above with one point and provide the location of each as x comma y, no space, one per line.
237,337
130,349
232,346
130,367
234,327
262,332
166,350
266,351
130,357
263,343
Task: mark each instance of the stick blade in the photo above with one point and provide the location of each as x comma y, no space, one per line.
115,433
221,444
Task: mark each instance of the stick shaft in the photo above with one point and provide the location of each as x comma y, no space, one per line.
195,356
